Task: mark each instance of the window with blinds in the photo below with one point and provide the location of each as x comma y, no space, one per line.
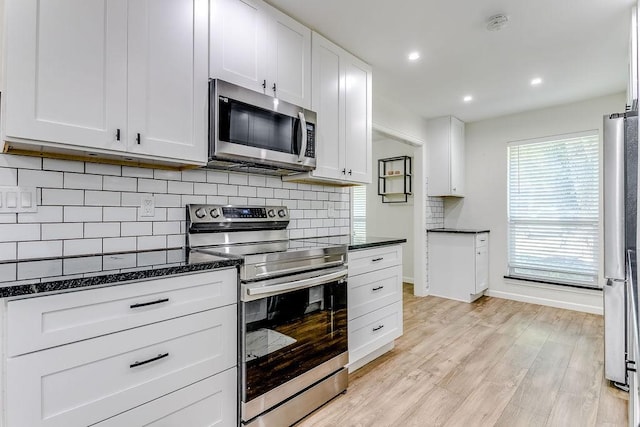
553,209
359,211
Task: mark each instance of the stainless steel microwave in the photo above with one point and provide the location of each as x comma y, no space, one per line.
259,130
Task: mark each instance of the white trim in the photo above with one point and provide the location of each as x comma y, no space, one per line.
371,356
406,279
591,132
394,134
545,301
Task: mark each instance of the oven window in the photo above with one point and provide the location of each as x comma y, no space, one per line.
253,126
289,334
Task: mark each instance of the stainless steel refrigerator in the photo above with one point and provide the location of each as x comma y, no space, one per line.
620,236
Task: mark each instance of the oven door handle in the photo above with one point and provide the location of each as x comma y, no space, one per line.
298,284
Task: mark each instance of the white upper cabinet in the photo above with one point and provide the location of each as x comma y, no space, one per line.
258,47
95,74
341,97
66,76
446,146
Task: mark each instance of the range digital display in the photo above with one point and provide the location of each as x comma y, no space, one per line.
244,212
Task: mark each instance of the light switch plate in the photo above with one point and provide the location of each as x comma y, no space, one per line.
18,199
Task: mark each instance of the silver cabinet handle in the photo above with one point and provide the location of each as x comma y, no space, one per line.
305,135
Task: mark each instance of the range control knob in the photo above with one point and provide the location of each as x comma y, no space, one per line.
271,213
282,213
215,213
200,213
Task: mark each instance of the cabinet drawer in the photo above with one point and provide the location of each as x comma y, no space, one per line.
49,321
374,330
371,291
366,260
89,381
210,402
482,239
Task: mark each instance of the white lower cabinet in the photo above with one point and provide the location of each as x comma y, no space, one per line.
207,403
177,369
458,265
374,302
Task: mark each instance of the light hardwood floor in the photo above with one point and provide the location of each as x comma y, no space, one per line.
492,362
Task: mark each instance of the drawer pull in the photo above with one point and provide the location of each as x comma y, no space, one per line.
377,288
378,328
377,259
144,304
153,359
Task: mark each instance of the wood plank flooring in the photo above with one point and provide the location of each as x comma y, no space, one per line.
493,362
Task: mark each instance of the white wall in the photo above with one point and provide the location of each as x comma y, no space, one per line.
391,219
485,205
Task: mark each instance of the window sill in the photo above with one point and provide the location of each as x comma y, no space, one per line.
549,282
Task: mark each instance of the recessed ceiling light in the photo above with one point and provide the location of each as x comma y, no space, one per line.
414,56
468,98
536,81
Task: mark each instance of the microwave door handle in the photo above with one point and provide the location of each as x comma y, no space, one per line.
305,136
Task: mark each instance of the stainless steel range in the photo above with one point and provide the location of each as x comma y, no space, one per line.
293,315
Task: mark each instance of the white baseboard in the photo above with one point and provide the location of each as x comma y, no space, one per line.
407,280
544,301
371,356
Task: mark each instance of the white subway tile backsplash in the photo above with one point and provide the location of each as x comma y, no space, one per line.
81,213
130,199
296,234
101,198
296,194
118,262
136,229
62,165
82,247
176,214
39,178
42,249
218,200
257,180
7,273
119,244
8,218
256,201
227,190
20,162
151,242
217,177
44,214
39,269
323,196
168,200
193,200
119,214
82,265
238,201
103,169
62,231
304,204
8,251
169,227
101,229
267,193
137,172
274,182
205,189
82,181
119,183
194,175
178,187
238,179
19,232
291,204
165,174
51,196
290,185
281,194
247,191
152,186
176,241
8,176
152,258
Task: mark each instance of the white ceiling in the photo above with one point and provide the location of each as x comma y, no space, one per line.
578,47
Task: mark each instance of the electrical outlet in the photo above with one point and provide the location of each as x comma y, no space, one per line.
147,206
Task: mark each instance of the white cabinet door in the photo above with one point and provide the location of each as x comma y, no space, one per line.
328,103
238,43
358,120
456,160
168,78
207,403
66,77
482,268
289,59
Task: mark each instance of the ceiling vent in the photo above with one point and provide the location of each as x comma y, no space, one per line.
497,22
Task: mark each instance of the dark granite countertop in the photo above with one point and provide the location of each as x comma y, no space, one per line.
35,276
457,230
366,242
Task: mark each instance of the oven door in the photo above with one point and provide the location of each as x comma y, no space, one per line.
294,334
250,126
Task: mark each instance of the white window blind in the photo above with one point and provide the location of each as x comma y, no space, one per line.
553,209
359,211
